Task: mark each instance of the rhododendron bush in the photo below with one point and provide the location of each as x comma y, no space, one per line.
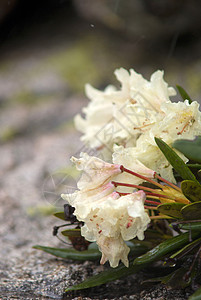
138,196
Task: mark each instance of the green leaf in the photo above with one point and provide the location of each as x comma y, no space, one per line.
60,215
196,295
191,190
191,226
184,94
192,211
174,279
177,279
171,209
164,248
175,160
106,276
113,274
186,249
194,166
72,232
68,253
190,148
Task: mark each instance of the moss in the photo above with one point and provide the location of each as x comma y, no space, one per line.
30,98
9,134
66,126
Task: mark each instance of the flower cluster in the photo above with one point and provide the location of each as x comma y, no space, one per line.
122,125
110,219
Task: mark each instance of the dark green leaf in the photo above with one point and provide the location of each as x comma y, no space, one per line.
171,209
164,248
186,249
60,215
113,274
190,148
196,295
194,166
175,160
191,190
184,94
190,226
192,211
177,280
106,276
174,279
68,253
72,232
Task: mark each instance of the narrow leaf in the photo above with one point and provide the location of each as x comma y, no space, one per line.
186,249
192,190
177,280
106,276
174,159
68,253
71,232
192,211
191,226
171,209
164,248
190,148
174,279
60,215
196,295
194,166
184,94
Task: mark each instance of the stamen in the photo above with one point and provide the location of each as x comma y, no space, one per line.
167,182
123,169
187,123
145,125
158,195
140,187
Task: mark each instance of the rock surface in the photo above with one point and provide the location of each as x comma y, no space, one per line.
41,75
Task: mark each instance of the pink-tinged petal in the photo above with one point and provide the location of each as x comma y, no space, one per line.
95,171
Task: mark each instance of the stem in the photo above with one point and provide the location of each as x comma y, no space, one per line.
168,182
152,202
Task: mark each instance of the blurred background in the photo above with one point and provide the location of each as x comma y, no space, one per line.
48,50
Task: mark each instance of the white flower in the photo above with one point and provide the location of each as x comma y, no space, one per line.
110,219
150,156
113,249
175,121
128,158
152,93
84,200
178,121
112,115
95,171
